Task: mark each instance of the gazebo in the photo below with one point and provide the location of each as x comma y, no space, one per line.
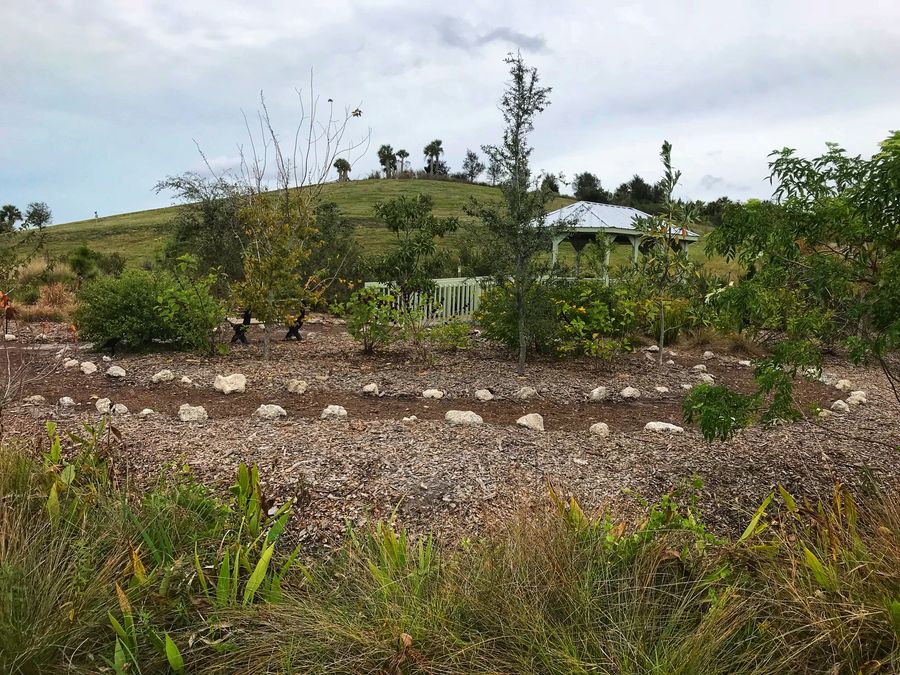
583,222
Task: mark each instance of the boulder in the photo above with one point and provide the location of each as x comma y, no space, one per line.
165,375
829,379
146,412
103,406
484,395
661,390
115,371
857,397
9,337
230,384
706,378
186,380
531,421
70,363
88,368
843,385
599,429
432,393
411,418
333,412
371,389
67,402
699,368
463,417
106,359
119,409
670,362
270,412
526,393
37,399
599,394
653,349
707,355
840,406
630,393
192,413
297,386
664,427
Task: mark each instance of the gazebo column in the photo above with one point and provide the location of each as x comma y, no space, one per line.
557,240
635,248
610,241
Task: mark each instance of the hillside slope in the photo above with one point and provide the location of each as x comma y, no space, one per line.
138,235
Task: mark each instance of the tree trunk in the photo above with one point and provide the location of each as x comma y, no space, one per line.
520,314
662,331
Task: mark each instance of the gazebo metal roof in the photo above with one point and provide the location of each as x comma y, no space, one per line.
594,217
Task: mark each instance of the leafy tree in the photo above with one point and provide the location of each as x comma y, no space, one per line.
472,166
828,243
337,253
665,256
550,185
38,215
207,223
402,155
588,188
9,216
495,171
83,263
433,152
388,160
343,168
411,263
516,229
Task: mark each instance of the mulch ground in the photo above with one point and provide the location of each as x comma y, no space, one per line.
454,480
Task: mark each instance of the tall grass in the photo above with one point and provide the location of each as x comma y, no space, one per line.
95,576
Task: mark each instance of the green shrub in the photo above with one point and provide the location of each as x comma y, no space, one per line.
188,307
371,318
453,334
496,315
123,308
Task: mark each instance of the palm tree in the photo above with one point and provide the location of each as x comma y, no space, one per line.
387,159
9,216
402,155
343,168
433,152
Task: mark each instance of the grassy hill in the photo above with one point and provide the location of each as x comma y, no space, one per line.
139,235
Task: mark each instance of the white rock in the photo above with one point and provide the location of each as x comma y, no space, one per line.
9,337
107,359
229,384
653,348
192,413
699,368
333,412
706,378
840,406
707,355
103,406
687,387
270,412
115,371
186,380
67,402
670,362
825,414
857,397
829,379
843,385
371,389
41,337
433,393
88,368
665,427
37,399
662,390
745,362
526,393
297,386
599,429
119,409
599,394
146,412
463,417
411,418
630,392
531,421
165,375
484,395
70,363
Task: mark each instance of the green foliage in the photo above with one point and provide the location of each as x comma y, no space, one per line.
189,308
473,167
371,317
498,317
9,216
587,187
83,262
451,335
718,411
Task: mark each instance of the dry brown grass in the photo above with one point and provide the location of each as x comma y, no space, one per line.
731,343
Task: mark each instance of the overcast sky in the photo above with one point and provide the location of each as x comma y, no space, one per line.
104,98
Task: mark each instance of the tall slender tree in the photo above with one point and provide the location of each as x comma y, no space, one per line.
343,168
516,228
402,155
388,160
472,166
433,152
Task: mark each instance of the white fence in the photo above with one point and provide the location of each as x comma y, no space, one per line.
453,297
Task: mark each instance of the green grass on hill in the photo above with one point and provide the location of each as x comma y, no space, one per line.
140,235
